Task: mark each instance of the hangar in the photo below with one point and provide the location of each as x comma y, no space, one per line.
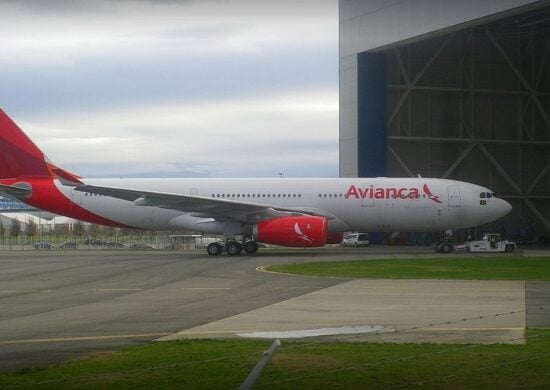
450,89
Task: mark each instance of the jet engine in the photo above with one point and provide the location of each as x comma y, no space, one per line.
335,238
302,231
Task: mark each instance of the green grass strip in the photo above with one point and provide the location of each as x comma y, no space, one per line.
215,364
471,268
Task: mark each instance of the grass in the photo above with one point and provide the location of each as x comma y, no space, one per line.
215,364
478,268
224,364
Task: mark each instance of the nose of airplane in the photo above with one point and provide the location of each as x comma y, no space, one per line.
504,207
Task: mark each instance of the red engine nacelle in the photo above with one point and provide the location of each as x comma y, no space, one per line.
335,238
293,231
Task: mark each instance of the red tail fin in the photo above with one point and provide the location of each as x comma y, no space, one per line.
20,158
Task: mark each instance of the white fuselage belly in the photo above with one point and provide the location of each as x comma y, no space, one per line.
355,204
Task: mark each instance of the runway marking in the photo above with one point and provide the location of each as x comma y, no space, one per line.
119,289
262,268
211,332
304,287
468,329
84,338
207,288
388,332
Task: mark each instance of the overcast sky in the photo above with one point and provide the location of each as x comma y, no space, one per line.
175,88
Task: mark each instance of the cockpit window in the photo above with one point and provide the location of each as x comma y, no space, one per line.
483,195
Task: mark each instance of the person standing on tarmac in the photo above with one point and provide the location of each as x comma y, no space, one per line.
493,242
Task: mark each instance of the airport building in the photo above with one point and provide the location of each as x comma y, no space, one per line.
450,89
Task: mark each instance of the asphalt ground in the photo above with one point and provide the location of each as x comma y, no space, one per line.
56,305
60,305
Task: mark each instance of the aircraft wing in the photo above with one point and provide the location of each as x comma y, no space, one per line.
201,206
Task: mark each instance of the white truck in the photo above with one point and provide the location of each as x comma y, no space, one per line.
490,243
356,239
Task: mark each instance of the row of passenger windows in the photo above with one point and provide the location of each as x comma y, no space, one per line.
90,194
272,195
256,195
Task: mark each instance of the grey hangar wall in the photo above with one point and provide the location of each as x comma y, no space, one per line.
450,89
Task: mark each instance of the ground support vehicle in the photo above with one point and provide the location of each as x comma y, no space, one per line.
490,243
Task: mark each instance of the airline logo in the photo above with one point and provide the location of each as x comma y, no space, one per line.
431,196
301,235
372,192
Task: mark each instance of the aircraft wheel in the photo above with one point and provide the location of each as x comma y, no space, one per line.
251,247
509,248
233,248
214,249
446,248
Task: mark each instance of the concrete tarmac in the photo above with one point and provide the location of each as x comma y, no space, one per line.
441,311
59,305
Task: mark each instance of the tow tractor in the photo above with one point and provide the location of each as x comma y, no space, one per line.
490,243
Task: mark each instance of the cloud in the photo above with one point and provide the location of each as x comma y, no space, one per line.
245,137
107,53
57,33
175,88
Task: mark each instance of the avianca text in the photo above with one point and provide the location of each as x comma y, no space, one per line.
373,192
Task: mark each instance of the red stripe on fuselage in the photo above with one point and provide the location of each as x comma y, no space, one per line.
46,196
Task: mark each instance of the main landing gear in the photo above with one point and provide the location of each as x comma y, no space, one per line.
232,248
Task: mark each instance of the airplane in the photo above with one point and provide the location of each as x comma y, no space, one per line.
292,212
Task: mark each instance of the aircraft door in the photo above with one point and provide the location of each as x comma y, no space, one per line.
454,196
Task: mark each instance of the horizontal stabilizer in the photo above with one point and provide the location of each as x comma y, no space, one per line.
14,191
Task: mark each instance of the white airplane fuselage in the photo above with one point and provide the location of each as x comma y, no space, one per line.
289,212
350,204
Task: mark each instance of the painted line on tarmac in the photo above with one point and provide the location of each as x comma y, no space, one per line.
207,288
85,338
24,291
298,330
466,329
262,268
119,289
